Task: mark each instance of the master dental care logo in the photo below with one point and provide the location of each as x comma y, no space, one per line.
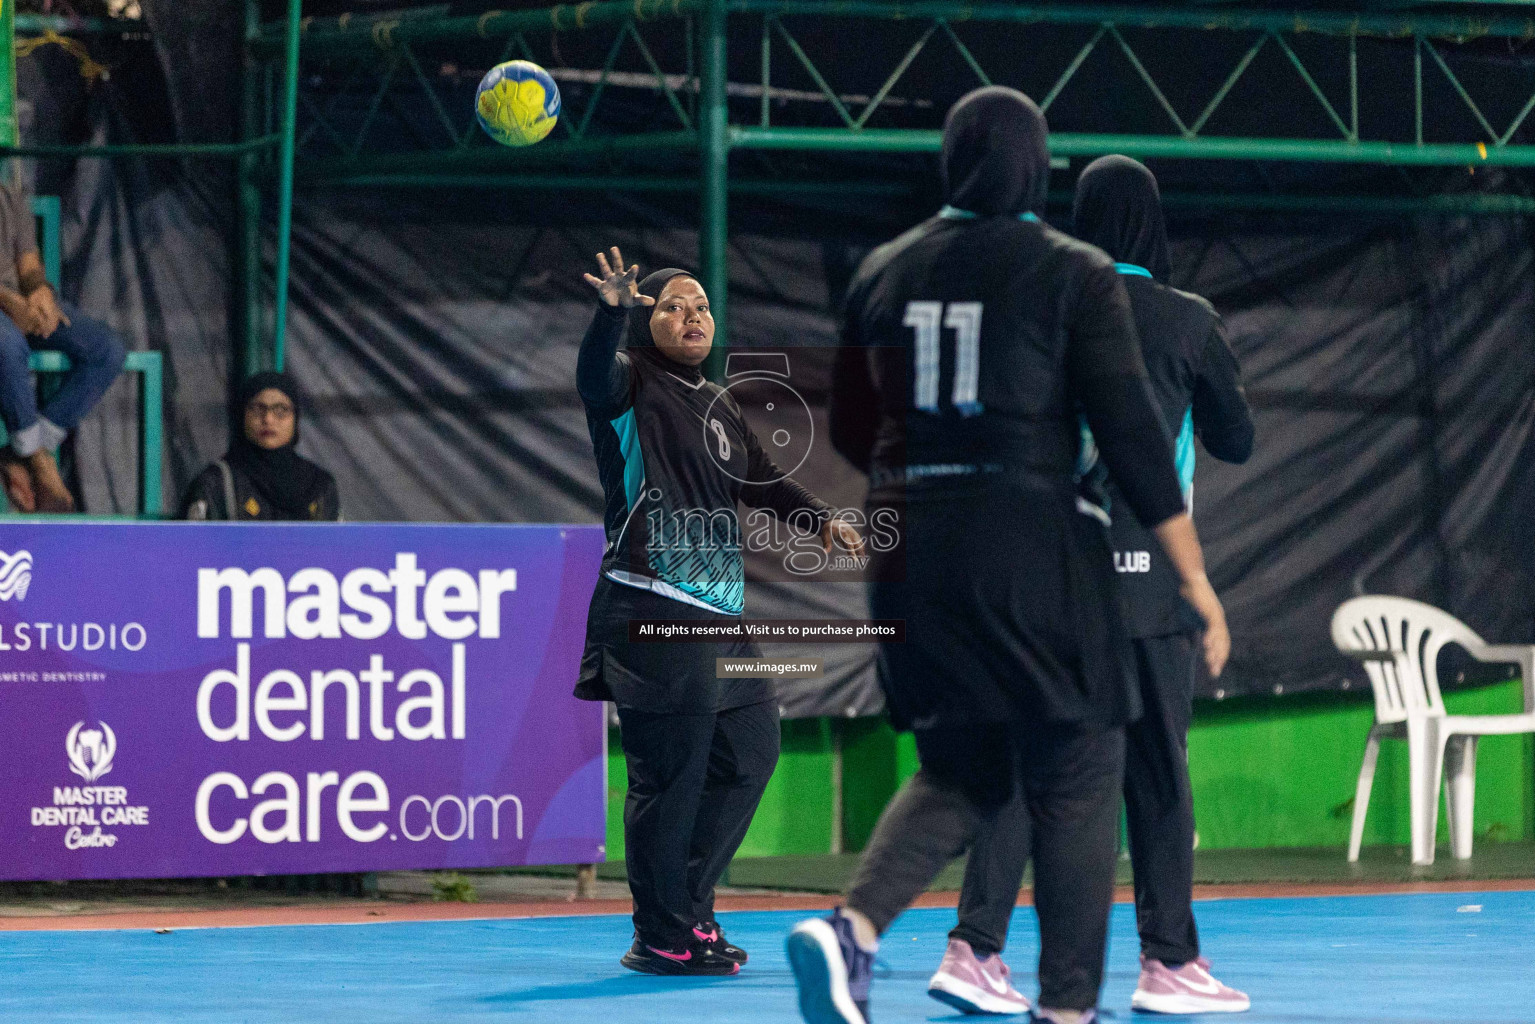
89,752
15,575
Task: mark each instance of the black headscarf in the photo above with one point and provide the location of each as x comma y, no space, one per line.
995,154
286,481
641,342
1119,209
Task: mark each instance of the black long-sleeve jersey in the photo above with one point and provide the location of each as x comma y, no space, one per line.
1197,384
971,343
675,456
971,346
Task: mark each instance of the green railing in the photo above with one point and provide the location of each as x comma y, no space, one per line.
47,211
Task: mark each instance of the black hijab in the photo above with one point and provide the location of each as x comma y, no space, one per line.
642,344
995,155
1119,209
287,482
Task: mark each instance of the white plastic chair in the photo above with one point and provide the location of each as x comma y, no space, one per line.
1398,641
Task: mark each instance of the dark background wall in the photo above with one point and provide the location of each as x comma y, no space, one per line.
1389,359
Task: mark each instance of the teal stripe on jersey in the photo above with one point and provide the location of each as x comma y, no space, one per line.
955,213
1183,453
1132,270
634,463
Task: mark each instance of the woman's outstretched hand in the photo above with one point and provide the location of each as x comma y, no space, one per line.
618,286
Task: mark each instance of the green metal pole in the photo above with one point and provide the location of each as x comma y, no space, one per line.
714,168
1391,25
1467,204
210,150
285,186
151,429
74,26
9,132
381,31
49,210
249,258
587,152
1205,147
621,183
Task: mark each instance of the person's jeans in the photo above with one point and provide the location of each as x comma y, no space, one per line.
96,358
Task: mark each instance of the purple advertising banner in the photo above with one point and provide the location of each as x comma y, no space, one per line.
181,699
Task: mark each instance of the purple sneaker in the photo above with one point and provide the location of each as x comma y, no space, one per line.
1189,989
971,984
831,971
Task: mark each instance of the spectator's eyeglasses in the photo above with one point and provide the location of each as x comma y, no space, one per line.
278,410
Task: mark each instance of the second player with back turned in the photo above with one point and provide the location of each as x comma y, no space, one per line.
972,343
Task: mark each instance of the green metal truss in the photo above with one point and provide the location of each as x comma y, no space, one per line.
392,45
374,68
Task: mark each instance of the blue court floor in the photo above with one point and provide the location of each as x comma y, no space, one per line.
1370,959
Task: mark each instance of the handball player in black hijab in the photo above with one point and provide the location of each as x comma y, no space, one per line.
974,342
261,476
1196,382
675,457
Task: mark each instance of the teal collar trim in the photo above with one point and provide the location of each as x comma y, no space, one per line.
1132,270
955,213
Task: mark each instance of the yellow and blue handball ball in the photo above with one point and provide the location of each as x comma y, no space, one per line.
517,103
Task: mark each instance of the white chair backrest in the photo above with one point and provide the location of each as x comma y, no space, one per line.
1412,628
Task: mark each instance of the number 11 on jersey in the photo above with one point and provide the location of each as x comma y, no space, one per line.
964,319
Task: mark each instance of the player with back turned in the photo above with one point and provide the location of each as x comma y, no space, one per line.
972,344
1195,379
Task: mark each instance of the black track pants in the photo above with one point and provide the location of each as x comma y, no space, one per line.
1159,804
1067,779
1159,807
694,783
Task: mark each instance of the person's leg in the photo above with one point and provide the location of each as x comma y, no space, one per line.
18,410
742,756
33,437
1159,805
96,358
18,398
667,757
965,778
1072,778
993,876
972,976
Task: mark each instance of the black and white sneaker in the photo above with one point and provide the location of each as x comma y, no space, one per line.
712,935
693,958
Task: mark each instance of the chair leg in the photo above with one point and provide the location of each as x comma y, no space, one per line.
1362,795
1425,766
1460,792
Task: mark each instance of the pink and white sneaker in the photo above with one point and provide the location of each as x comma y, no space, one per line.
1189,989
971,984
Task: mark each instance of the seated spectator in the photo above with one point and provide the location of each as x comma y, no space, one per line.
36,318
261,476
